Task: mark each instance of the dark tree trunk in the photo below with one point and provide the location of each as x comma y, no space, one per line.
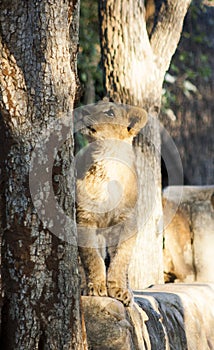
40,278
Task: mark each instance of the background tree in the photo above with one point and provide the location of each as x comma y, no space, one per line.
135,62
38,85
188,85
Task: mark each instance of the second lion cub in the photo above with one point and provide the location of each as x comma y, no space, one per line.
106,196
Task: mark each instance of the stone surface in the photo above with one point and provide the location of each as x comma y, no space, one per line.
107,326
189,233
170,316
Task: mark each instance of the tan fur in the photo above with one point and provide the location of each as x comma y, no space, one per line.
178,259
107,195
189,238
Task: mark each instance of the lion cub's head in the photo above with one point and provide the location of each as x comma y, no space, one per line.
105,120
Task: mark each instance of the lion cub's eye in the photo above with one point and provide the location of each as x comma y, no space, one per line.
110,113
91,129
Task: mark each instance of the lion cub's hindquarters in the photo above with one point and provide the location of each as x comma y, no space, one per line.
107,195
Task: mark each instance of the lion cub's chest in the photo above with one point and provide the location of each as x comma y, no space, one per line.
111,181
109,186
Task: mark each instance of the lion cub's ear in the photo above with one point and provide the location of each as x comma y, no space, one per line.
137,118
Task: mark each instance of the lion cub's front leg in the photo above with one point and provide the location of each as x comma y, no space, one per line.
117,277
95,271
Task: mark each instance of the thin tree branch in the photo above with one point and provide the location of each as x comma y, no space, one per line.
167,32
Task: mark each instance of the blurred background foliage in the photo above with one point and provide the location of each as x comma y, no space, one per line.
191,65
89,57
188,103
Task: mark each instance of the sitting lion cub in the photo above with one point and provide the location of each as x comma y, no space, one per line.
106,196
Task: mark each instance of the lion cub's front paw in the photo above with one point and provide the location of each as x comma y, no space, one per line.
97,289
121,294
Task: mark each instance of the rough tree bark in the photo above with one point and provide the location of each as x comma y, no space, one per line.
135,64
38,45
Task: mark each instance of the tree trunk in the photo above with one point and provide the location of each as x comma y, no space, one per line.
134,66
40,279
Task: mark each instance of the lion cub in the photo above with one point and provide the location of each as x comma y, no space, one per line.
106,192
